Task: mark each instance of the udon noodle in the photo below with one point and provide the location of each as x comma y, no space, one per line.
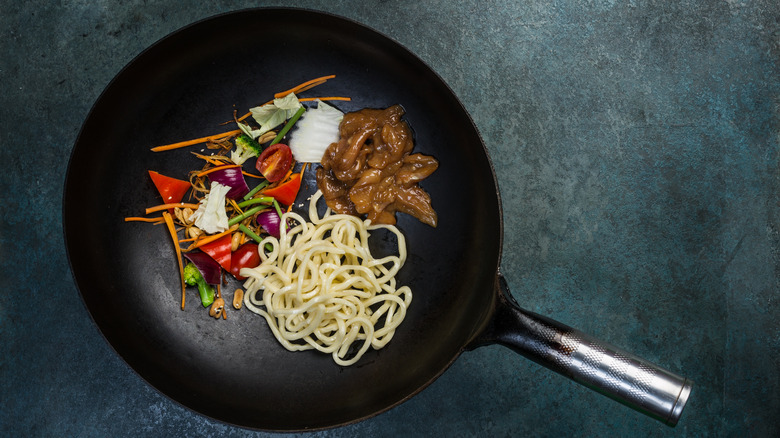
319,287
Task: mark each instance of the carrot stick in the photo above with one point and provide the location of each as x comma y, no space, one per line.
298,88
301,89
158,219
213,237
214,169
182,144
311,99
175,238
173,205
251,175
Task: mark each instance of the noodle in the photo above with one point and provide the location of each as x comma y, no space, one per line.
319,287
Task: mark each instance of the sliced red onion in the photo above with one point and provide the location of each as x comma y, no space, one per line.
209,269
233,178
269,220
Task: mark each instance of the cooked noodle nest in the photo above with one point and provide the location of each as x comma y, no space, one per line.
319,287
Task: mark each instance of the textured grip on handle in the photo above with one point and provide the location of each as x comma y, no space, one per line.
605,368
620,375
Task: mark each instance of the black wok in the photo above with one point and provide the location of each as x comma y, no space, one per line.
233,370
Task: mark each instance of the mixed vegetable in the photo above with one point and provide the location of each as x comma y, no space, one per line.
218,230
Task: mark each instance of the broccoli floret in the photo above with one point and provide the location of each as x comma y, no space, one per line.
246,147
247,142
193,277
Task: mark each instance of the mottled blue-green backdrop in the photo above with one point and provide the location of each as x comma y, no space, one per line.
636,148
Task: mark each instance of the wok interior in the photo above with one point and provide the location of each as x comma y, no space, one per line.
234,370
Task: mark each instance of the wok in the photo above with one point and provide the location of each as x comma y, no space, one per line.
233,370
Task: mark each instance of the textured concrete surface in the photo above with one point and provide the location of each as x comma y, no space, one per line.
636,147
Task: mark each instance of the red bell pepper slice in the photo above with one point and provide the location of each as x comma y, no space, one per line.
172,190
246,256
287,191
219,250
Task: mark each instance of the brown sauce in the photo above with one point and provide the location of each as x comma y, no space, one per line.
371,170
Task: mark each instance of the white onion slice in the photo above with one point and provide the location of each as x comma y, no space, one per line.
314,132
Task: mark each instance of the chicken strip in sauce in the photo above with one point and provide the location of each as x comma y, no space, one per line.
371,170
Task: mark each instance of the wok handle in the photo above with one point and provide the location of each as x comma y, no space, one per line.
607,369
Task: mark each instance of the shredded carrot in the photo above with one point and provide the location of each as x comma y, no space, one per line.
233,203
286,177
311,99
175,238
304,86
214,169
216,160
219,294
173,205
200,242
308,87
182,144
281,181
158,219
251,175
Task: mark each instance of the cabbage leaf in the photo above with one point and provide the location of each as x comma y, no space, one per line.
273,114
211,216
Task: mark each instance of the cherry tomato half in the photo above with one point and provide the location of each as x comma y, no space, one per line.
246,256
275,161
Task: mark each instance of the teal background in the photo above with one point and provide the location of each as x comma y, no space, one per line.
636,148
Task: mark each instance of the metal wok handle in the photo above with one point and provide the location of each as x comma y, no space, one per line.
607,369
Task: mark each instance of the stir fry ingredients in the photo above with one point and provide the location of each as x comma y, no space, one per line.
218,228
193,277
320,287
171,190
245,256
230,176
246,148
315,281
238,298
317,129
220,251
286,191
211,215
275,161
371,170
272,115
207,267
